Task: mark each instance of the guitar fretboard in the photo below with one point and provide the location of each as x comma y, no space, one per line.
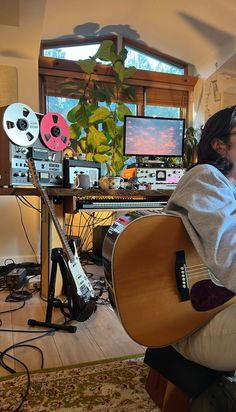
60,232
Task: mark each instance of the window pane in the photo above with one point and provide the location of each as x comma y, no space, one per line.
144,61
73,52
162,111
60,105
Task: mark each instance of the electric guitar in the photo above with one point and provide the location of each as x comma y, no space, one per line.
156,280
81,301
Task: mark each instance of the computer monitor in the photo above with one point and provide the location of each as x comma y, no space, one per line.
153,136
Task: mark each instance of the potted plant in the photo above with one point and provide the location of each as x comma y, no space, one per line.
96,122
190,147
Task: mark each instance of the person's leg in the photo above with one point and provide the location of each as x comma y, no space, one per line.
219,397
214,344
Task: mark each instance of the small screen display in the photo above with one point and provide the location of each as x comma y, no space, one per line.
153,136
44,175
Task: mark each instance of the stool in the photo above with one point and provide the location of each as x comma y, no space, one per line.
166,396
173,380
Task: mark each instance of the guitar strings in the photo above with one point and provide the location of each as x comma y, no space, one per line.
195,272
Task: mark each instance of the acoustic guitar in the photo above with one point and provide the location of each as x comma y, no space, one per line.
80,293
157,283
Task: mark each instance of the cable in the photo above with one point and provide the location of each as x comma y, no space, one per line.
22,222
28,381
27,203
13,310
23,344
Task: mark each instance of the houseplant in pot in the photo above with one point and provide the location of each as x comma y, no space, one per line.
190,147
96,122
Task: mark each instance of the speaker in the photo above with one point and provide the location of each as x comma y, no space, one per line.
99,234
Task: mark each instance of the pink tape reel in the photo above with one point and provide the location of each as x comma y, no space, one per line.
55,131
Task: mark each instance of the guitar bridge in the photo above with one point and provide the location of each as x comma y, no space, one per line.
181,276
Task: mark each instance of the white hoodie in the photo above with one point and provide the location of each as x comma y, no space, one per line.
206,201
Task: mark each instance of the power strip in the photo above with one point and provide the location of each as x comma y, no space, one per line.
34,283
16,278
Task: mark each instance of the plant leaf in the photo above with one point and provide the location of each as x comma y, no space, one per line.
111,126
119,70
71,115
103,148
106,51
129,92
87,65
122,111
90,157
82,143
123,54
100,114
75,131
82,116
101,158
95,138
129,72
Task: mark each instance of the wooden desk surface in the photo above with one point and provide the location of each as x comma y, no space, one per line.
55,191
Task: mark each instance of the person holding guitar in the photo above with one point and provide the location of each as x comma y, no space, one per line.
205,199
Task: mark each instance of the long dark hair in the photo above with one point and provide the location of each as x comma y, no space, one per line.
217,126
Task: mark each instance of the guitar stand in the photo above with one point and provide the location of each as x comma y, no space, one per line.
56,258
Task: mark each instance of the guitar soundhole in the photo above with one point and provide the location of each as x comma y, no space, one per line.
205,295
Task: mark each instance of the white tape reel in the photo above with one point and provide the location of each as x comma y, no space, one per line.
21,124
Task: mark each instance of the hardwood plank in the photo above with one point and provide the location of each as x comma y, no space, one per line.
34,309
109,334
6,338
100,337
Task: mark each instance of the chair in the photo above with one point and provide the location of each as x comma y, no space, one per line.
173,380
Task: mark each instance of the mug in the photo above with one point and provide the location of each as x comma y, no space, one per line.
82,180
110,182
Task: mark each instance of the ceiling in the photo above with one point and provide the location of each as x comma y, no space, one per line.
200,33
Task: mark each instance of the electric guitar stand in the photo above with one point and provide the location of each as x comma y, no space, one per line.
56,258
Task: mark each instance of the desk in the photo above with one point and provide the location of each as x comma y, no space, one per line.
65,202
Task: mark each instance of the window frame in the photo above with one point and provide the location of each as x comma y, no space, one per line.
165,58
49,66
53,44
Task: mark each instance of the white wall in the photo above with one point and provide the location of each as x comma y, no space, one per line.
215,92
19,50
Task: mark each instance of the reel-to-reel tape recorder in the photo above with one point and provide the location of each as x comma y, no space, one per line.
25,134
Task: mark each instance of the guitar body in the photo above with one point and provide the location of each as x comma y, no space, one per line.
79,309
142,280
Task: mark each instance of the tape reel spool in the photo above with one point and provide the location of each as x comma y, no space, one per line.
54,131
21,124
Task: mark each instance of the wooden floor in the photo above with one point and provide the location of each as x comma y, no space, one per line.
100,337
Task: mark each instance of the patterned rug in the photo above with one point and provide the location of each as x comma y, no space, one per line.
115,385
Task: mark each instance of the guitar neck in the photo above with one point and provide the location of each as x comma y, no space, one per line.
59,230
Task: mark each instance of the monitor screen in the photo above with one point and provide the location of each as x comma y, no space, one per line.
153,136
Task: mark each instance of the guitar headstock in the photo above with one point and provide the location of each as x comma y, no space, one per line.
34,176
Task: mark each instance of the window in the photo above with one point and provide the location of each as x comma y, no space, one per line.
162,86
72,52
144,61
162,111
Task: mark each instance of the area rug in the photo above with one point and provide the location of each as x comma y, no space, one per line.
116,385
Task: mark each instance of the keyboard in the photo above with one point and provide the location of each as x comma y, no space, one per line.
123,205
